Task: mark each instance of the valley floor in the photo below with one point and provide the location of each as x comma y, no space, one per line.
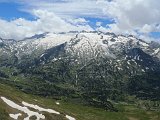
78,111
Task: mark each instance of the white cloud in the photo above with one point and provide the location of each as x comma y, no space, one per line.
132,15
137,17
77,21
129,15
46,22
98,24
147,28
63,8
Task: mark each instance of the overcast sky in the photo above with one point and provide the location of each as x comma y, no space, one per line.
24,18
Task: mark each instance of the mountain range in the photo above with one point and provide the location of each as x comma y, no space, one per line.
95,68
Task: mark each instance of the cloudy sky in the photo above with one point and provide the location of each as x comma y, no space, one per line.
24,18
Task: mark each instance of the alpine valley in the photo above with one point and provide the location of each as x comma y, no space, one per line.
94,75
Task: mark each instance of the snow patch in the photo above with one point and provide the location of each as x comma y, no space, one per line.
29,112
128,63
23,109
39,108
143,70
156,51
15,116
70,118
57,103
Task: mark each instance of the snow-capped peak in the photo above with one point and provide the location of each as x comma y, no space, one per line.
89,44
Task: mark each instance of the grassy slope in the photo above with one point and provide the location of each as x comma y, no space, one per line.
127,112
